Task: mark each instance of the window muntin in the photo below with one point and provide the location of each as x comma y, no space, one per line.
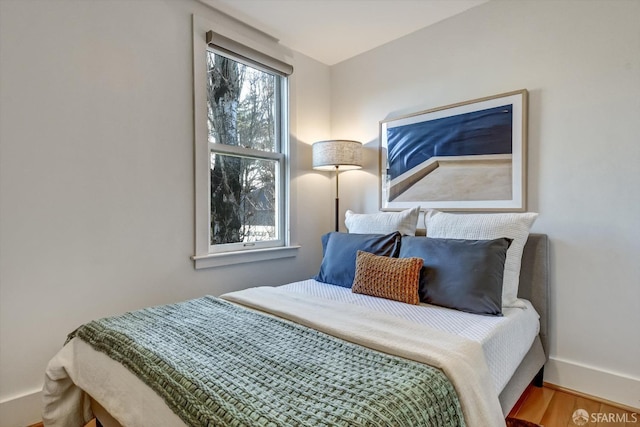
246,107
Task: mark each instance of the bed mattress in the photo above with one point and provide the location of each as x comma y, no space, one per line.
78,371
473,351
515,331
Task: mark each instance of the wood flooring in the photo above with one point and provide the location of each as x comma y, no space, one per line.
552,406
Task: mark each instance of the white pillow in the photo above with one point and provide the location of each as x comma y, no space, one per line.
384,222
489,226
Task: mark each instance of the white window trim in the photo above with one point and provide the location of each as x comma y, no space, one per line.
240,257
203,258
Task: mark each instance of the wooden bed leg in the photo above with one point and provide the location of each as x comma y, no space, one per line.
538,380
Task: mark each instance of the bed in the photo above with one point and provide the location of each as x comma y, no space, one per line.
82,382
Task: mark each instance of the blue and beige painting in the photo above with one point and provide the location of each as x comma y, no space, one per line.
463,138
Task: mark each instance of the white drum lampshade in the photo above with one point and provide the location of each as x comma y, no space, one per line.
337,154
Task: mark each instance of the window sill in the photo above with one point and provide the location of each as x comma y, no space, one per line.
240,257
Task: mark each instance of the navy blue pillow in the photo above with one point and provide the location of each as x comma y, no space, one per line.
339,254
465,275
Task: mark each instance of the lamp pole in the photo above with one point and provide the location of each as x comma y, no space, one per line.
337,200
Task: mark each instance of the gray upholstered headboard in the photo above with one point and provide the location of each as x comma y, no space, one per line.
534,280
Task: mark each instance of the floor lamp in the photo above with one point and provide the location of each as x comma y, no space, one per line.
338,155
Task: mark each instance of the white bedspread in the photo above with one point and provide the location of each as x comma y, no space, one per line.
78,371
462,360
504,340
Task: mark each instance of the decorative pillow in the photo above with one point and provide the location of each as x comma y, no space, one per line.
465,275
513,226
390,278
384,222
340,249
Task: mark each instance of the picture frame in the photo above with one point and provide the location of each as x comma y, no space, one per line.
468,156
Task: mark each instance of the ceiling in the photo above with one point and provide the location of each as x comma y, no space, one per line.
331,31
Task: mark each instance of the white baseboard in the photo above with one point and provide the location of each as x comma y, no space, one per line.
22,410
611,386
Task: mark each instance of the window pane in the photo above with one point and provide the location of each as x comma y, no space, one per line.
243,199
241,104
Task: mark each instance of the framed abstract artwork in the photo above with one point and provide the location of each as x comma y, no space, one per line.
469,156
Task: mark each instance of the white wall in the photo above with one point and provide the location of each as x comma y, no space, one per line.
96,175
580,62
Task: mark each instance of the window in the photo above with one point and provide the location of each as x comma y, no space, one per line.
245,124
245,108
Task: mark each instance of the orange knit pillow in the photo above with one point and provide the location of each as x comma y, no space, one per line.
385,277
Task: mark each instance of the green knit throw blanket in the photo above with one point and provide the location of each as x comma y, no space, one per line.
217,364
